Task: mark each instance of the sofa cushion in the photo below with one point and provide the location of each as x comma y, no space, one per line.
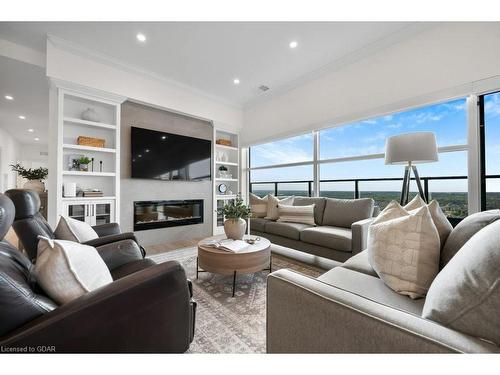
272,206
70,229
330,237
258,205
360,263
440,220
371,288
258,224
403,248
296,214
319,206
464,231
67,270
344,212
465,295
288,230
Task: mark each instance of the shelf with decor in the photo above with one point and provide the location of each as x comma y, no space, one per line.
226,173
88,154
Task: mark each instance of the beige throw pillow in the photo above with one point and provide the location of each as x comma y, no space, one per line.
70,229
67,270
296,214
272,206
403,248
258,205
442,223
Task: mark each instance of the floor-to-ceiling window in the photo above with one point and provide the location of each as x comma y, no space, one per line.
490,123
350,159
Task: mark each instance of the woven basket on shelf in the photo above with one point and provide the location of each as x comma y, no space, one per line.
224,142
89,141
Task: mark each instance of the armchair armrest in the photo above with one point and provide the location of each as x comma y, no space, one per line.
147,311
116,254
305,315
107,229
360,235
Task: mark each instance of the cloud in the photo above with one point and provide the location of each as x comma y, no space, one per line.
394,126
492,105
371,122
388,118
272,153
376,137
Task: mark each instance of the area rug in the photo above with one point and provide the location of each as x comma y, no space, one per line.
225,324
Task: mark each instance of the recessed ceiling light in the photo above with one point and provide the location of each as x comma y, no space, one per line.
141,37
9,97
31,130
37,139
293,44
146,150
22,117
140,156
164,137
236,81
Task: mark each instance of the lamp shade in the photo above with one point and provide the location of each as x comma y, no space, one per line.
419,147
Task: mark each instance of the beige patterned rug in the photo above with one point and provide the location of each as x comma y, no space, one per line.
225,324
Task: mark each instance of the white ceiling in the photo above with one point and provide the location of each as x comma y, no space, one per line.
208,56
29,87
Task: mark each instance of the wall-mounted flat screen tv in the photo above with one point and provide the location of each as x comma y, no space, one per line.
166,156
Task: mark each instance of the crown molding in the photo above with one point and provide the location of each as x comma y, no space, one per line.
336,65
76,88
85,52
22,53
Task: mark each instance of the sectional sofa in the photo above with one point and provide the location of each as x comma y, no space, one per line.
349,309
340,232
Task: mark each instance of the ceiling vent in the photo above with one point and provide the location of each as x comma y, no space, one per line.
263,88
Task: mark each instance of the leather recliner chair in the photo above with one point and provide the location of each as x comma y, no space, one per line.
29,224
148,307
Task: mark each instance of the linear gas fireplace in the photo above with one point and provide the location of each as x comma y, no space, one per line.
161,214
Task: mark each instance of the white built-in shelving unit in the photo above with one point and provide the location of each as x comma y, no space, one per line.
71,103
229,157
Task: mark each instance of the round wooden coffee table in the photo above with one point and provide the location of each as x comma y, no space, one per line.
255,258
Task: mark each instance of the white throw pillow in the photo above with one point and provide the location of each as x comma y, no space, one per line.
258,205
70,229
403,248
272,206
296,214
67,270
441,222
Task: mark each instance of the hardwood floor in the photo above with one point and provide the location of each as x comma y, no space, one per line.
169,246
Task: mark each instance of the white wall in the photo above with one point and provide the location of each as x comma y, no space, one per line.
441,58
9,154
104,76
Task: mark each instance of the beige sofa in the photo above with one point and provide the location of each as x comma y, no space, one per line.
340,232
349,309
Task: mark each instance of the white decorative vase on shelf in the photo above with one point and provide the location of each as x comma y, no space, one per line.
36,185
235,228
90,115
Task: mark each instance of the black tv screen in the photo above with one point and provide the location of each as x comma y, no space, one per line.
165,156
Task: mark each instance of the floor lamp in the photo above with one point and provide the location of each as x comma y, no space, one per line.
411,149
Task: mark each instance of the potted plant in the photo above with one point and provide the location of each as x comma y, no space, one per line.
234,214
223,171
83,163
34,177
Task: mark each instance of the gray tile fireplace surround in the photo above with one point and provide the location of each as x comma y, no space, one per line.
132,190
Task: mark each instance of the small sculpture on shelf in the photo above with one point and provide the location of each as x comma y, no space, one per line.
90,114
224,173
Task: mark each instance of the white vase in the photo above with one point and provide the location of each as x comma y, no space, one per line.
235,228
90,115
36,185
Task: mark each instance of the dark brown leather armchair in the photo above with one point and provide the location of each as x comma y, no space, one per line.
147,308
29,224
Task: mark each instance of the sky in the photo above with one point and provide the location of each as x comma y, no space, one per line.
447,120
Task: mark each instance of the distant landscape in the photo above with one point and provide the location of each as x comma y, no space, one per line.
453,204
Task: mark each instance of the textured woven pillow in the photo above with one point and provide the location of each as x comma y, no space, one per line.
272,206
403,248
67,270
74,230
258,205
441,222
296,214
466,294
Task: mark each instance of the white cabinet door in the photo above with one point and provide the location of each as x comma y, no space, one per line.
92,212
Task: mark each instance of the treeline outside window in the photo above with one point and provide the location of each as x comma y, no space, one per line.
351,159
